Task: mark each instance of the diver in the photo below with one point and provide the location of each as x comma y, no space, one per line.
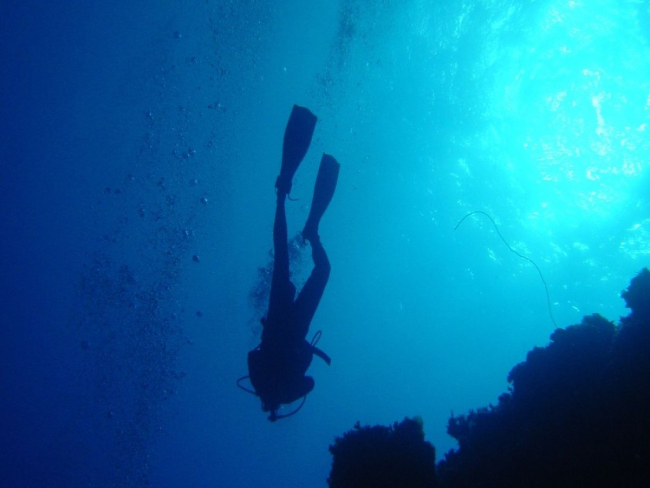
277,367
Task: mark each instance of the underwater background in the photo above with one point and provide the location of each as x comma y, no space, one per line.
140,142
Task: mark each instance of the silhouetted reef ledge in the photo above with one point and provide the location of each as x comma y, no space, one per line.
577,414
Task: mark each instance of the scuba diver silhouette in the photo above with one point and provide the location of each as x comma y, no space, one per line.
278,365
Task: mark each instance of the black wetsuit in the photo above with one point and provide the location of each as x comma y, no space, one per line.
278,365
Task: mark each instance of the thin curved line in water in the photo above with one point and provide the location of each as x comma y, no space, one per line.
548,298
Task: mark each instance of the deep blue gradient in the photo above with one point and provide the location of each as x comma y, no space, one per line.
140,142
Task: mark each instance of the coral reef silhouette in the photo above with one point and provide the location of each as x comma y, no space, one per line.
383,457
575,415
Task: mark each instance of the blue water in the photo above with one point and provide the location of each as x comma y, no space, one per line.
139,144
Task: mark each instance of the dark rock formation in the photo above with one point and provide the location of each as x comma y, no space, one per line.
383,457
576,415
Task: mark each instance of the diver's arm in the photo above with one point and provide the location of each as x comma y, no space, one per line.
321,354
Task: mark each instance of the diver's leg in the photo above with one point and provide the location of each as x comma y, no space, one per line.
309,297
307,302
297,137
282,290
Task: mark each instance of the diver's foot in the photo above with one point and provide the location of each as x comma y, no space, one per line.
282,185
310,232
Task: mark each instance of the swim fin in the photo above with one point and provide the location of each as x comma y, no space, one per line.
328,175
297,137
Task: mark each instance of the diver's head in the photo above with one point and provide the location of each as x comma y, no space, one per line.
272,407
